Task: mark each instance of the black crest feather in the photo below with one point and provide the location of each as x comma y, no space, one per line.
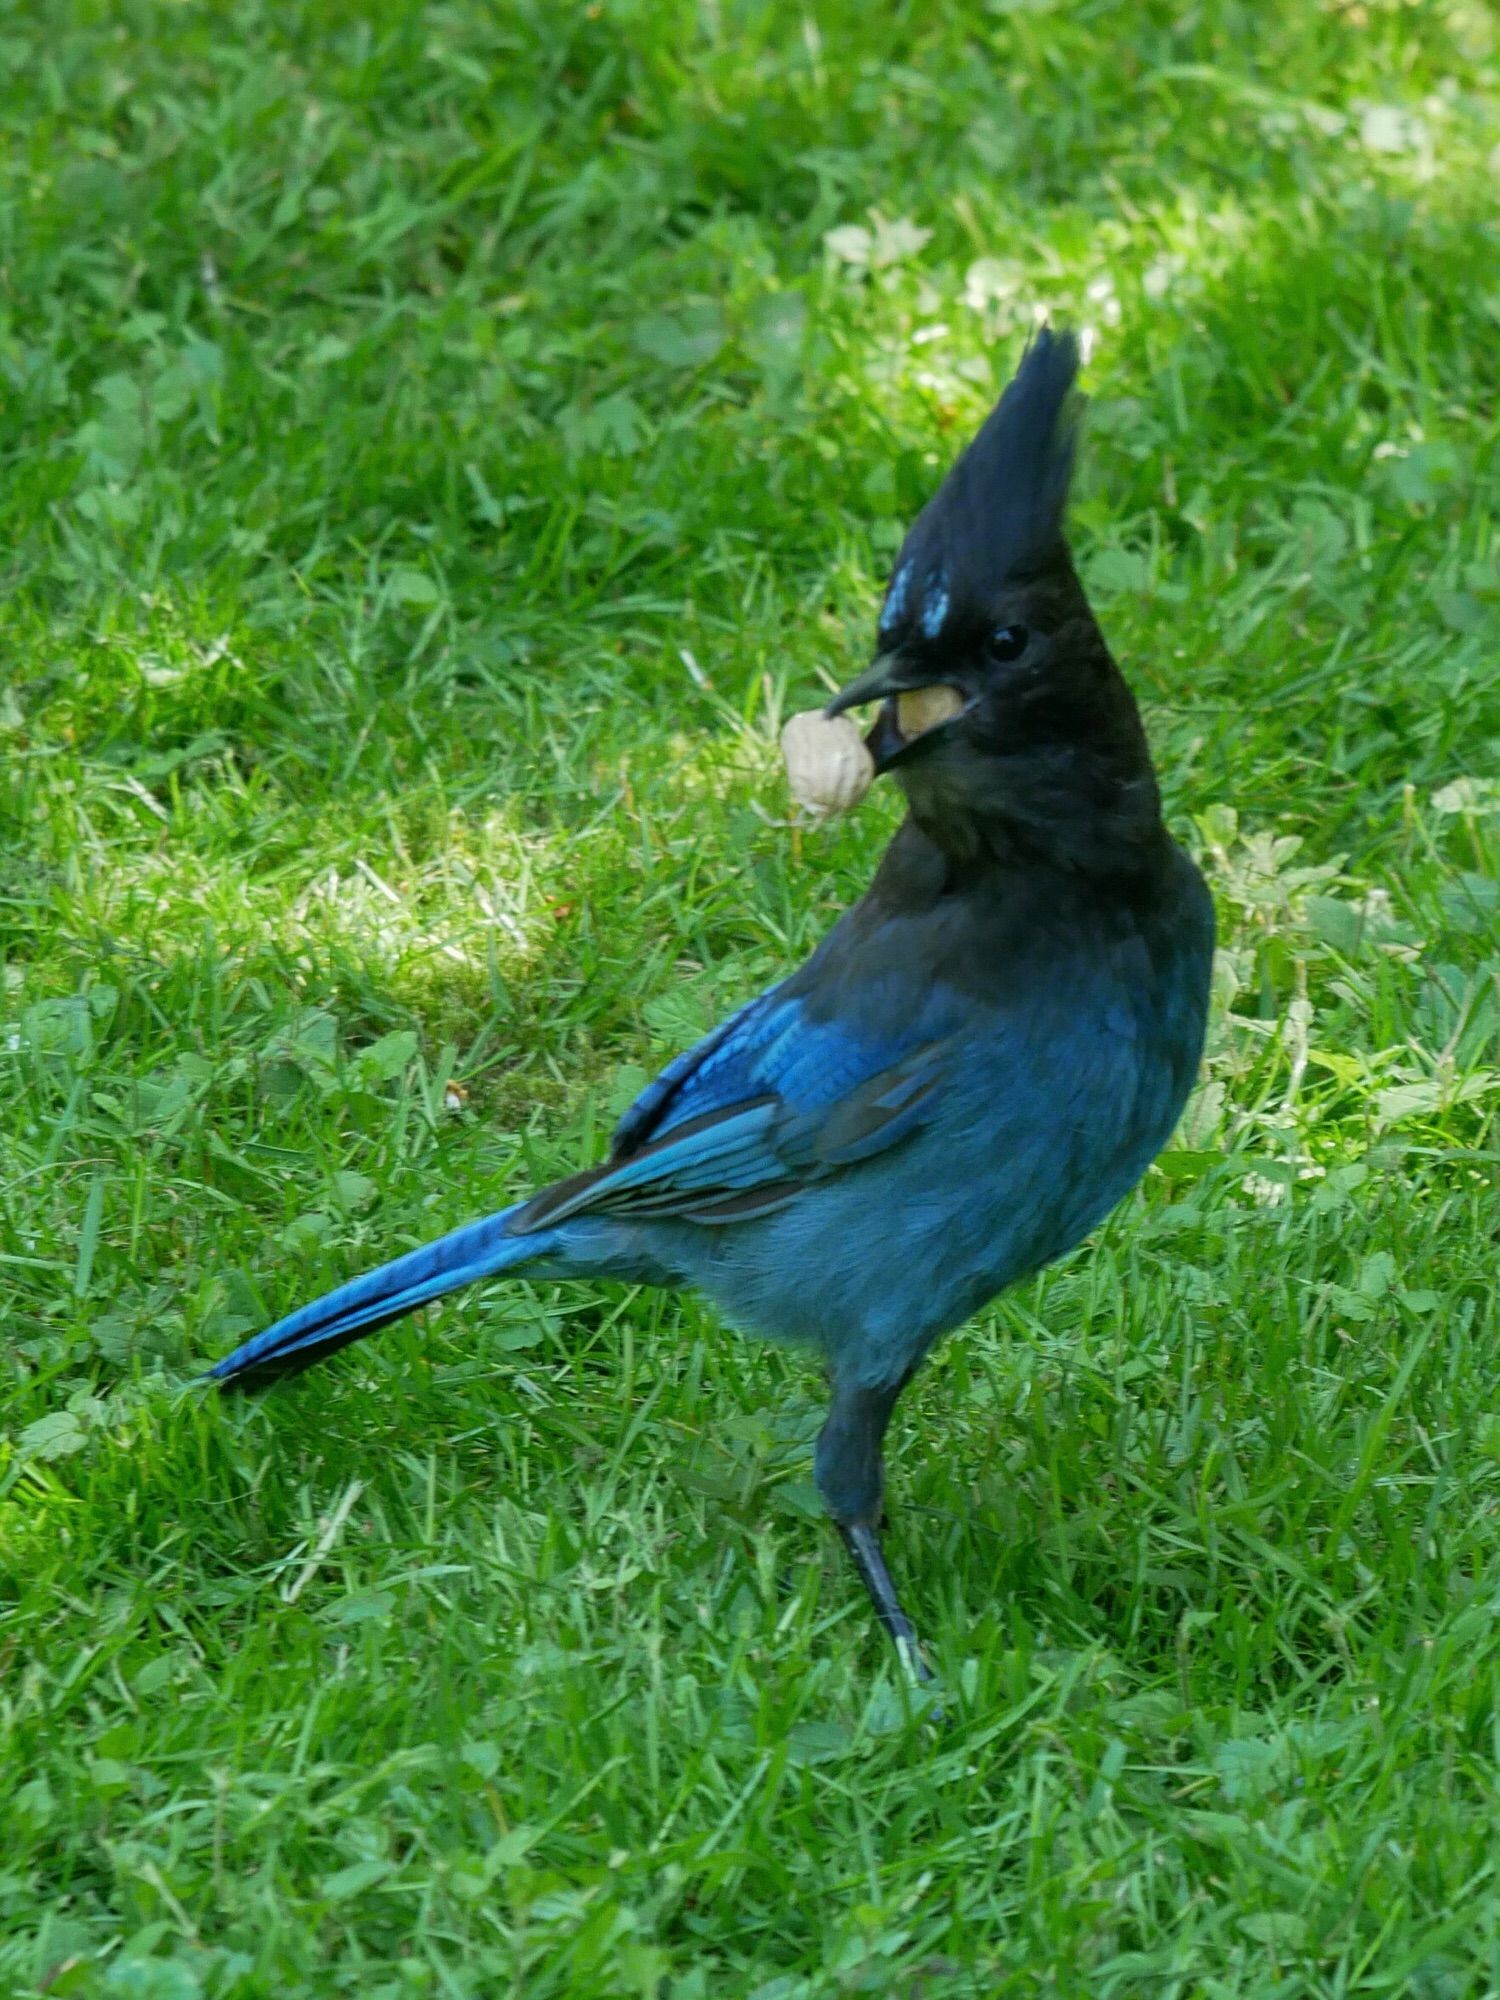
998,515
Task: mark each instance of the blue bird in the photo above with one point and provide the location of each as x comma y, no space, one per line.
979,1061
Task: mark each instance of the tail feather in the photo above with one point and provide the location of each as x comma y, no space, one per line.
480,1250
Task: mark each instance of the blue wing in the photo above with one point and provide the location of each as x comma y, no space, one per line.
771,1100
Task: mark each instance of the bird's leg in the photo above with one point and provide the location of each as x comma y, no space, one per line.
863,1544
851,1478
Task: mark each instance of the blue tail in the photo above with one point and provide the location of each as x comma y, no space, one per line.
315,1331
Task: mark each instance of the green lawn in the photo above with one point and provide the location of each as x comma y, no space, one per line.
439,444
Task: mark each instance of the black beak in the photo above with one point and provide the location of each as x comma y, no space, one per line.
887,676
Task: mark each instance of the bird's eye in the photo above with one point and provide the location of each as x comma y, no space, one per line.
1009,643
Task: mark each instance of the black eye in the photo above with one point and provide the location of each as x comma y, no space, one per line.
1009,643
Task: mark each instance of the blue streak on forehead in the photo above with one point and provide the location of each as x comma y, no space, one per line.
935,608
895,597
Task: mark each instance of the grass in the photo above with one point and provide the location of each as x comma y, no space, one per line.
439,443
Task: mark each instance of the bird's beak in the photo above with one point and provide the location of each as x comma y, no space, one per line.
913,706
885,675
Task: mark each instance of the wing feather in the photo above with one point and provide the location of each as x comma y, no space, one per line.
739,1125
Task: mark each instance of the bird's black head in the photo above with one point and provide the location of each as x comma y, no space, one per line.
1004,718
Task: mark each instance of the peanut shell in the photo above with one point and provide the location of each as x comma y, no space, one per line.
923,708
827,765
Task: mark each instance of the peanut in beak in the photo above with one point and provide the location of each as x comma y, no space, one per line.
827,765
923,708
828,768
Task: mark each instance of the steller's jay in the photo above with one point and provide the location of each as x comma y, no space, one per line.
976,1064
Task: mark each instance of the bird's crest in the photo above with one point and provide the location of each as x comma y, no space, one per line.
998,515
